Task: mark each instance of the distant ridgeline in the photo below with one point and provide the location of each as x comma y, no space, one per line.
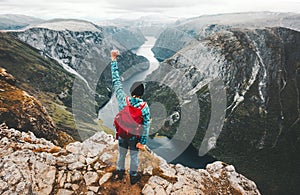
15,21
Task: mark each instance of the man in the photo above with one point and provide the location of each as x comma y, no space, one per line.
134,143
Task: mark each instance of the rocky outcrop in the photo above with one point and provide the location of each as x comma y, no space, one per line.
20,110
259,73
35,166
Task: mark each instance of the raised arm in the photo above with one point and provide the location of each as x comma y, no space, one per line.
116,80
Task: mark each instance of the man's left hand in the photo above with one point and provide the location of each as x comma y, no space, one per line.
140,146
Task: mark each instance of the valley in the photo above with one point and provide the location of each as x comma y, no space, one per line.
223,87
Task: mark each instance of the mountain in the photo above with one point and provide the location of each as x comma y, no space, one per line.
185,31
15,22
30,165
83,49
83,46
246,85
149,25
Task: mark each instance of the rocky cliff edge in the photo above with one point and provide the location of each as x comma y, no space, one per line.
31,165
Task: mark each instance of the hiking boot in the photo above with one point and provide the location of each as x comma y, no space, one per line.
119,174
134,179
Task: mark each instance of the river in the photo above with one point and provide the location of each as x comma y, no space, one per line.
162,146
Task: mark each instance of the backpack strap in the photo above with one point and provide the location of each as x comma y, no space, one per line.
142,105
127,101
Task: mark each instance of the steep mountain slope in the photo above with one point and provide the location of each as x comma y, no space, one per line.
14,21
20,110
41,77
188,30
259,74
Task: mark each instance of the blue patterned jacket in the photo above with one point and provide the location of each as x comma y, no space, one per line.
121,97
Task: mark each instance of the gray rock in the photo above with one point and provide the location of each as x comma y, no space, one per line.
148,170
68,186
76,176
69,175
105,157
92,149
64,192
90,178
105,178
8,192
49,158
76,165
91,160
75,187
168,170
160,190
3,186
97,166
147,190
90,193
93,188
230,168
181,170
82,159
23,187
169,189
74,147
158,181
46,179
89,168
70,158
61,178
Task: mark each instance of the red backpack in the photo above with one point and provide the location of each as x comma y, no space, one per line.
129,121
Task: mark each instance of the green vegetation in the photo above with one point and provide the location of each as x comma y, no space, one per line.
46,80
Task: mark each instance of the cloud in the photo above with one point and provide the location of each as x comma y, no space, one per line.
48,9
155,5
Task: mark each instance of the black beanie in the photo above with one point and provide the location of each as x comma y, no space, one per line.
137,89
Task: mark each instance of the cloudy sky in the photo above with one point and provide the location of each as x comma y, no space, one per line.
100,9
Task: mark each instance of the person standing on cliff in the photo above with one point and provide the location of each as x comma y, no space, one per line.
134,143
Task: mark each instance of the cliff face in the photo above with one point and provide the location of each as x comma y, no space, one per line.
259,70
30,165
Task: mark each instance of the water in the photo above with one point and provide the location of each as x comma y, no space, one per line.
162,146
107,113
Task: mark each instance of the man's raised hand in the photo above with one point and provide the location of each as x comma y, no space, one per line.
114,54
